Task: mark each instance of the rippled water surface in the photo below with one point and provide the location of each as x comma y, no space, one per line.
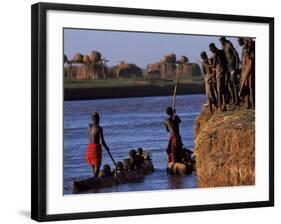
128,123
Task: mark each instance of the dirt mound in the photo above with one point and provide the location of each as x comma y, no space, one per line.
225,148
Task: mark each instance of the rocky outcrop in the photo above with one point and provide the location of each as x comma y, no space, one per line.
225,147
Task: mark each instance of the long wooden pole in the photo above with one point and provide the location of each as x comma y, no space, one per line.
176,86
111,157
245,76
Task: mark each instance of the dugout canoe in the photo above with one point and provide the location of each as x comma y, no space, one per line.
179,168
122,177
186,166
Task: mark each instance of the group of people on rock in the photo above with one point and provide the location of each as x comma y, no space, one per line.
226,82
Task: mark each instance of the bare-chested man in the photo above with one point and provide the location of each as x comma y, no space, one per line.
209,79
247,80
233,68
220,65
175,144
94,154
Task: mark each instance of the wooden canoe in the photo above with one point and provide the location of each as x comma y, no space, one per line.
121,177
179,168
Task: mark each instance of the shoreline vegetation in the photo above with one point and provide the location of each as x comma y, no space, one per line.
126,88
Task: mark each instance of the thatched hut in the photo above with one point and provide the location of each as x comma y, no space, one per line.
126,70
95,56
170,58
68,71
191,71
80,72
183,60
154,70
89,66
166,68
78,58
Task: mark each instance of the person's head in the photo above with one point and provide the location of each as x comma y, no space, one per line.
132,154
170,111
96,117
140,151
127,164
240,41
204,55
106,168
248,42
119,166
212,47
223,41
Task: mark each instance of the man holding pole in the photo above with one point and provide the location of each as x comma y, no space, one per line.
174,144
96,140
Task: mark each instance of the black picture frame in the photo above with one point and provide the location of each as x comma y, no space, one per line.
38,108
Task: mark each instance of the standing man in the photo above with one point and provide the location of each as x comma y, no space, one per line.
233,68
220,65
96,140
174,144
247,80
209,79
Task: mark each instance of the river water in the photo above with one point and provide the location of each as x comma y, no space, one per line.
128,123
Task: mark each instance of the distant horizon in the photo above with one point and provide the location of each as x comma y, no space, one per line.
140,48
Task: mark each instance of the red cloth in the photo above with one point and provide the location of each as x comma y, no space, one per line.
173,149
93,154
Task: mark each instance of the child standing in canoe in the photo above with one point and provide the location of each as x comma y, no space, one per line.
96,141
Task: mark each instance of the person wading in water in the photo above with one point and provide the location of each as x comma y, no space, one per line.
94,154
175,143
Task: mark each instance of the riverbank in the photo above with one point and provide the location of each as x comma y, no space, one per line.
72,92
225,147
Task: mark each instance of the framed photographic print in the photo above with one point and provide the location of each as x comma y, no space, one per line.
140,111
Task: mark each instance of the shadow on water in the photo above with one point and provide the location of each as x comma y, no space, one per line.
128,123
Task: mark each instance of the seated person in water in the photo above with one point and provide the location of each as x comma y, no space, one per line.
128,165
135,159
106,171
142,156
119,168
128,173
96,140
174,144
186,156
146,160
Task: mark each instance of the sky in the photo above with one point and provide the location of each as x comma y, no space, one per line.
137,47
